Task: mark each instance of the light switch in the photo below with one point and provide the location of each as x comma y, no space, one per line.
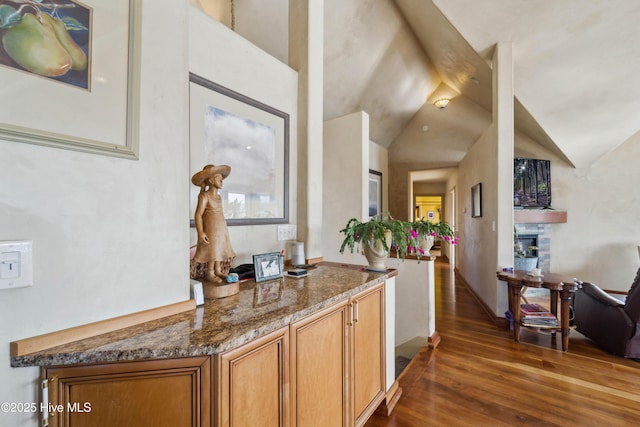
9,265
16,269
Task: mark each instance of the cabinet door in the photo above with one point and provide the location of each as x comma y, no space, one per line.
253,381
159,393
368,352
319,366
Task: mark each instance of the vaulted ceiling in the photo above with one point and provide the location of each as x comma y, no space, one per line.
574,67
575,64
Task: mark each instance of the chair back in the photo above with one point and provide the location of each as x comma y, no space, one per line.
632,303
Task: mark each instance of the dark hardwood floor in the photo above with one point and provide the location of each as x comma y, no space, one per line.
478,376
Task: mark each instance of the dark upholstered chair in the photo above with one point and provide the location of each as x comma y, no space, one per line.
612,324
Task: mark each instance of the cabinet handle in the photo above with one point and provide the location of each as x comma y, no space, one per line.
350,323
44,404
355,320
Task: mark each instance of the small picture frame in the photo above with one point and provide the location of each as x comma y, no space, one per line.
476,200
268,266
267,292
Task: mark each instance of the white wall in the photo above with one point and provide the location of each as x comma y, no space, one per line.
476,257
598,241
415,299
224,57
346,181
109,235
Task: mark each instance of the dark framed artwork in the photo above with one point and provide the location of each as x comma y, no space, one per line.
476,200
91,80
375,193
268,266
228,128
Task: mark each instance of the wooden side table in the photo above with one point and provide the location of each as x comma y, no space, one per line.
558,286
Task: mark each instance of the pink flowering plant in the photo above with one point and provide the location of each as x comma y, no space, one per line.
438,230
403,236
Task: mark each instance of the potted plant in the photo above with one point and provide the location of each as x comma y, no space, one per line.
377,236
523,258
429,231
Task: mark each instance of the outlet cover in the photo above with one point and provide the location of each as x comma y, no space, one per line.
286,232
16,265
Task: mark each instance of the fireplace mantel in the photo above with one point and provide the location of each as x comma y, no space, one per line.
539,216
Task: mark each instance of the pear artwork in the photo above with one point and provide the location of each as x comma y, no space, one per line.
42,45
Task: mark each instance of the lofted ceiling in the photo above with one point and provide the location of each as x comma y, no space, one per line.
574,67
574,62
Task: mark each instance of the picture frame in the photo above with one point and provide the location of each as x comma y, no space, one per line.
267,292
476,200
108,106
252,138
268,266
375,193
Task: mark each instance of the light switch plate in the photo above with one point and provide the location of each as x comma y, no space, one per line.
287,232
16,264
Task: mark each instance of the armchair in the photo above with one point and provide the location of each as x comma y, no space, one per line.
612,324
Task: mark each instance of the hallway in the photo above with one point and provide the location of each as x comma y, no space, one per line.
479,377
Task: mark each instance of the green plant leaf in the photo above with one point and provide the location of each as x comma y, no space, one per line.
9,16
72,24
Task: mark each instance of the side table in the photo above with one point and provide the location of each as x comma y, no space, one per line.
558,286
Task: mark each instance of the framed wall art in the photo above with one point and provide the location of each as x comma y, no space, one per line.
229,128
375,193
268,266
476,200
81,94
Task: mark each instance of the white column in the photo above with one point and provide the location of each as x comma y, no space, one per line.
503,100
306,51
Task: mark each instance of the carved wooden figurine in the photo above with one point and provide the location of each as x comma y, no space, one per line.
214,247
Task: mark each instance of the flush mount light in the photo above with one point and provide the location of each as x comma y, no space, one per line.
441,103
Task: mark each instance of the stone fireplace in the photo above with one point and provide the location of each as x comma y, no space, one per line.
537,235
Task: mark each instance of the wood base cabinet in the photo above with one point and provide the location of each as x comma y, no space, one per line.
368,353
338,363
325,370
159,393
320,368
252,383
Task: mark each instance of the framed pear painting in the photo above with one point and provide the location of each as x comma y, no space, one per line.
50,39
69,71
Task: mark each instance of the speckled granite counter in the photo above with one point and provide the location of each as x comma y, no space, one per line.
218,325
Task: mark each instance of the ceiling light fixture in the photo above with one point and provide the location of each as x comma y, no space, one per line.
441,103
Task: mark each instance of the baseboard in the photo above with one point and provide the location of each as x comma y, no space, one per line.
391,398
434,340
498,321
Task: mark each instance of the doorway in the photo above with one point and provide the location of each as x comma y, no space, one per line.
430,208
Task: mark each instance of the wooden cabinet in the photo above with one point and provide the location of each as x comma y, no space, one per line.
368,353
338,362
169,392
320,368
252,383
325,370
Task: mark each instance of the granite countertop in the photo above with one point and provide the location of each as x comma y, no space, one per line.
218,325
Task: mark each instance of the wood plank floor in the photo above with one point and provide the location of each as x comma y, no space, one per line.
479,377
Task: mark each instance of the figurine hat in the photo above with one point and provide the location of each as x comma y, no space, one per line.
208,171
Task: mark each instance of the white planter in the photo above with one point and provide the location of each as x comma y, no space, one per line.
376,254
426,242
525,264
